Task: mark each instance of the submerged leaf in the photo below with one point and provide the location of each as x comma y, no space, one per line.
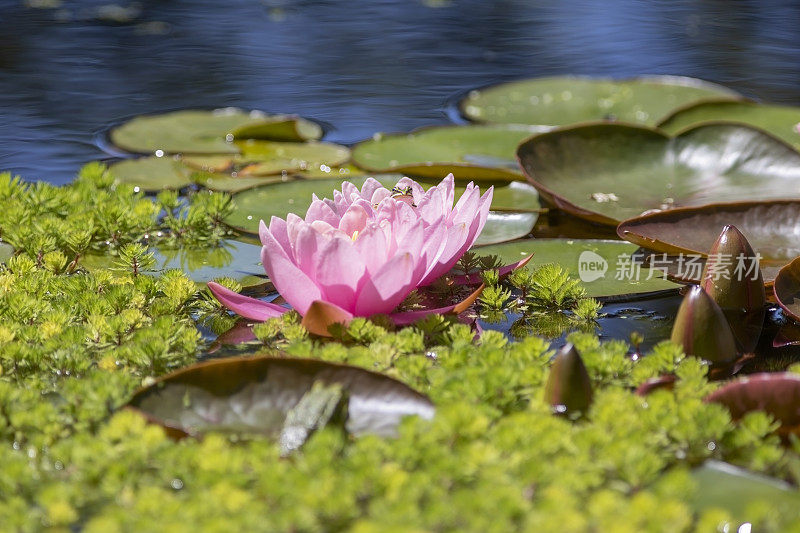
256,395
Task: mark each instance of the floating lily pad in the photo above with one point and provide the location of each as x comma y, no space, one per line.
781,121
776,393
516,204
237,260
770,228
607,271
233,183
606,173
469,152
6,251
787,288
256,396
725,486
208,132
152,173
564,100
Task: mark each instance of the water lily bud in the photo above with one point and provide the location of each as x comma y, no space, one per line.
733,279
568,387
701,329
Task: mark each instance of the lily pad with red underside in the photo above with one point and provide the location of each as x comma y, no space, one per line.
259,395
607,173
770,227
781,121
561,100
208,132
775,393
515,205
469,152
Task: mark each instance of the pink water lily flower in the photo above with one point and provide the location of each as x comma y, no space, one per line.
363,252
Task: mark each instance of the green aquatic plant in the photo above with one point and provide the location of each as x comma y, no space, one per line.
75,345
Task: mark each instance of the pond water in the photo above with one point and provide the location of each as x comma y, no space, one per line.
67,73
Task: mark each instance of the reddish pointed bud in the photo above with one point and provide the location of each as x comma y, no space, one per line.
701,329
568,389
733,279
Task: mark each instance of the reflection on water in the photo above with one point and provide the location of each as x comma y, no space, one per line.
67,73
652,318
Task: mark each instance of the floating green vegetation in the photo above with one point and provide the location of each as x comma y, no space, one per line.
75,345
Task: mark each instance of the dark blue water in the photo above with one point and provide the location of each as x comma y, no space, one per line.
361,67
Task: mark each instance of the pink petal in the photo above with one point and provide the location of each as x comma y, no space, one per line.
292,283
354,219
448,185
467,205
385,290
371,185
379,195
339,272
372,247
431,207
319,210
277,227
455,239
244,305
306,246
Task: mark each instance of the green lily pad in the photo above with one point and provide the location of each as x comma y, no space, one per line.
781,121
152,173
769,227
233,183
607,272
207,132
237,260
504,226
515,205
606,173
562,100
262,395
725,486
469,152
6,251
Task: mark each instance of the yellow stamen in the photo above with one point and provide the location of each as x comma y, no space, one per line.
355,235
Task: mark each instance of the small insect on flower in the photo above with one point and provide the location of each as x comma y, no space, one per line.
403,194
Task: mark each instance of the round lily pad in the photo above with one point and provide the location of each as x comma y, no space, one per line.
770,228
237,260
564,100
605,267
207,132
152,173
515,205
721,485
261,395
606,173
469,152
781,121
